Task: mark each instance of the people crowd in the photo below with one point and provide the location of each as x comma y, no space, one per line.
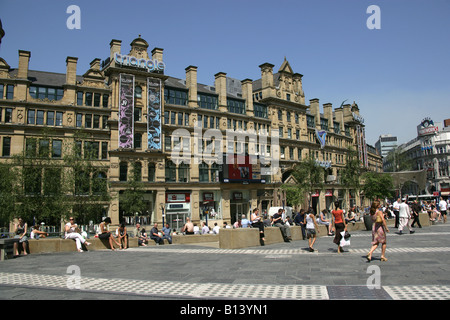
405,212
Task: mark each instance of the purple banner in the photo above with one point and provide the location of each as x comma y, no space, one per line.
126,111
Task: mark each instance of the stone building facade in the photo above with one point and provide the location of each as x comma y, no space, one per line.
94,101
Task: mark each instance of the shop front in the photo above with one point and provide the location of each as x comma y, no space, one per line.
239,205
210,209
177,209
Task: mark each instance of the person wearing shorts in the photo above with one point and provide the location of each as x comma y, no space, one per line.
311,226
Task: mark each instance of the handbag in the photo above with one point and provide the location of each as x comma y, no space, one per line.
379,220
347,235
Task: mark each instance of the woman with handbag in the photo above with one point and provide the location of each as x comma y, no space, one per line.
379,230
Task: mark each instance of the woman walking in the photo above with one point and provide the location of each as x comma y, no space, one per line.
379,230
339,225
311,227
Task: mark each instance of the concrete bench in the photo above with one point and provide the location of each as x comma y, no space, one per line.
7,248
49,245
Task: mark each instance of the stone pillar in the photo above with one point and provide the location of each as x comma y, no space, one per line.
20,93
247,94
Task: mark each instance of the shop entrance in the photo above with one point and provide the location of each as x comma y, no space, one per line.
176,220
237,210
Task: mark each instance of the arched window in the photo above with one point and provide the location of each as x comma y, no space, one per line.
151,172
171,171
123,171
183,172
203,169
138,92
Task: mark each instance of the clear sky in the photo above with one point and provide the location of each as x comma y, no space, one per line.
398,75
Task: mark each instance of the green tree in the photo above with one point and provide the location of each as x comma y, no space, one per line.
132,198
309,176
378,185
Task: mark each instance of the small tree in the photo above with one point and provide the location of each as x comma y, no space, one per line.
378,185
309,177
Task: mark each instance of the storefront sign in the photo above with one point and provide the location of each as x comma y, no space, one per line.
177,197
329,193
427,127
316,194
237,195
154,114
130,61
126,111
208,196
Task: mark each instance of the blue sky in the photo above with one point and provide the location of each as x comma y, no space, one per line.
398,75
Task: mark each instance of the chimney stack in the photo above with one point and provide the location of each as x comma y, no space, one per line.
191,84
71,70
24,60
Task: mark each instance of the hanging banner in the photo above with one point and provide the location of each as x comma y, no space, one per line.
126,111
154,114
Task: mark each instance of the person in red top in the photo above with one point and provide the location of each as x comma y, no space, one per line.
339,225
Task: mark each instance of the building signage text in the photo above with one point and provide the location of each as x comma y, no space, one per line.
150,65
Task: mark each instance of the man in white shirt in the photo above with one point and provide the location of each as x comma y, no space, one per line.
404,216
443,209
395,208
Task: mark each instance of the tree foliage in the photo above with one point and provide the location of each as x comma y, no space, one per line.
378,185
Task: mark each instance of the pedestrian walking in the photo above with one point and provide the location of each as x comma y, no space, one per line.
379,230
404,217
311,227
395,208
339,225
443,208
416,209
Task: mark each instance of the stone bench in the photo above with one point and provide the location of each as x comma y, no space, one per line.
7,248
49,245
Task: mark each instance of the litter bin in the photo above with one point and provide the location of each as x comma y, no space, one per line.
368,222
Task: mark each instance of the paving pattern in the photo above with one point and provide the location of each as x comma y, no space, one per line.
418,269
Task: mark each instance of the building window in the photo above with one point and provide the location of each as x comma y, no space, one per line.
151,172
137,140
137,114
40,117
206,101
203,172
88,121
236,106
97,98
105,100
104,150
8,115
123,171
137,171
59,118
99,182
6,148
138,92
88,99
10,92
2,91
79,98
260,110
310,121
183,172
170,171
105,122
31,116
56,148
79,121
280,115
96,123
50,118
178,97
